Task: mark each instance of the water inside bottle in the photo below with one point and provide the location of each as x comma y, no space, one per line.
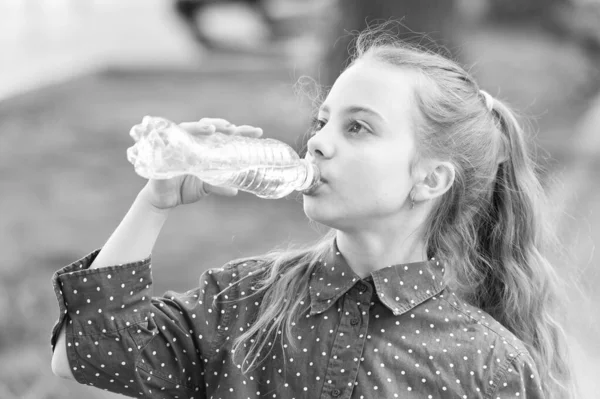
264,181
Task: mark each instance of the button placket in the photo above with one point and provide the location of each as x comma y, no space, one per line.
363,293
362,288
347,348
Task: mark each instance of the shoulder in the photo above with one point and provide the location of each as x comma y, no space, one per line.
489,332
241,271
476,349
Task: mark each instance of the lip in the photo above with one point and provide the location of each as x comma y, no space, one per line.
314,189
322,178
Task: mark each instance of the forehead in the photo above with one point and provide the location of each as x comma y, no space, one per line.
388,89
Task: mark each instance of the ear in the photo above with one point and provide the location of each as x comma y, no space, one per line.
435,183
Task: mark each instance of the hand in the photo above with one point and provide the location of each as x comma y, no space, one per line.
186,189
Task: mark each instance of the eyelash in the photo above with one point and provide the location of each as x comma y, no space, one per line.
318,124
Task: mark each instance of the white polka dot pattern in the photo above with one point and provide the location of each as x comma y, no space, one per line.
398,334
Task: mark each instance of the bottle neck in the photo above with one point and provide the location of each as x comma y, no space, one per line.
311,177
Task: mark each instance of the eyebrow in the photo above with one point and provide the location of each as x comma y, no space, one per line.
353,109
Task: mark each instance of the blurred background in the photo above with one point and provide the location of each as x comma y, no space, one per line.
77,74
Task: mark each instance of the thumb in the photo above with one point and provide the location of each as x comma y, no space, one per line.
225,191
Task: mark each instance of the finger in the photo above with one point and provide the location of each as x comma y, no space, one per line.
197,128
220,123
247,130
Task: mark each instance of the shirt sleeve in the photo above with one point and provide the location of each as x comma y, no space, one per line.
121,339
520,379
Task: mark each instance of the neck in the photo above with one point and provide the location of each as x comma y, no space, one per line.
366,252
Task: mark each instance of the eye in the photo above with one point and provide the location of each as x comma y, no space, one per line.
355,127
316,125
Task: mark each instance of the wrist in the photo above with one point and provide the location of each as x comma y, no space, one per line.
143,202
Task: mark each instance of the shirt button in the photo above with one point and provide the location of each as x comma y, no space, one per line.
362,288
354,321
335,393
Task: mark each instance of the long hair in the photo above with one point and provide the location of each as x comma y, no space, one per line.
488,226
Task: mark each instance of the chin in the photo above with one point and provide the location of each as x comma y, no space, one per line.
324,215
316,212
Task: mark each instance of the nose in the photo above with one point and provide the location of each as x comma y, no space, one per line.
313,149
319,146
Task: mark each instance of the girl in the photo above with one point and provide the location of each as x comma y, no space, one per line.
430,283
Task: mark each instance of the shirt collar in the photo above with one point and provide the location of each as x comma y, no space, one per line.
399,287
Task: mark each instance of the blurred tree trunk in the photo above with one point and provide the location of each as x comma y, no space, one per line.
431,17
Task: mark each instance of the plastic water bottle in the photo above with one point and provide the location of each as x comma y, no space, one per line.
265,167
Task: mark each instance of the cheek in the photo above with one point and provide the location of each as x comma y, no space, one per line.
382,177
389,184
371,191
387,196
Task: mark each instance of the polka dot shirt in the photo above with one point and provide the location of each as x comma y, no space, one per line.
400,333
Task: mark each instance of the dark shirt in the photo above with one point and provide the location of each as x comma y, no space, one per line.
401,333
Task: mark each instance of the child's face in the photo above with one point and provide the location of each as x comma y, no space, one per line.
364,146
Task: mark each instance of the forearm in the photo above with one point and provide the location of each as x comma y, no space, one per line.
135,236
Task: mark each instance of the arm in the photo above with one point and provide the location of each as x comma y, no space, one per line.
121,338
133,239
127,251
135,236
